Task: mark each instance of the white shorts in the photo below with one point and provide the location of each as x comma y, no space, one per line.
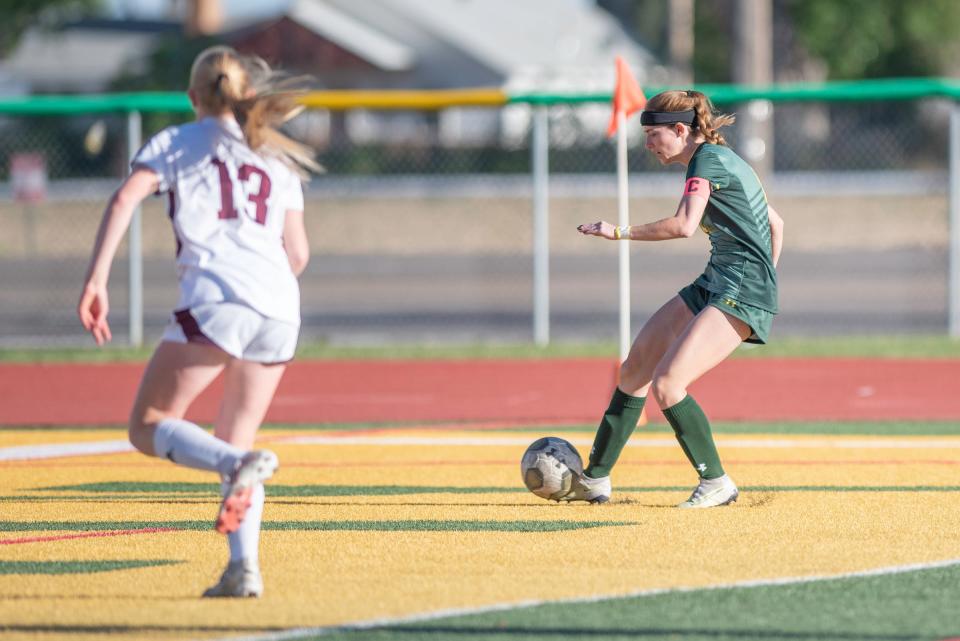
236,329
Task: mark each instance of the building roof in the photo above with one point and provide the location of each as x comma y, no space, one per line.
506,33
353,35
83,57
538,44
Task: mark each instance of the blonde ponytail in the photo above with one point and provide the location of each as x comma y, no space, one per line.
224,81
707,120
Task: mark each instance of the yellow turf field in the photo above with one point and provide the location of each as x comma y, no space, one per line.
438,521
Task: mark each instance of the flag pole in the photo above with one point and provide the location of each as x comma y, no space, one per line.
628,98
624,247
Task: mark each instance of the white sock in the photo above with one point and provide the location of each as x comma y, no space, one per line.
245,542
717,482
187,444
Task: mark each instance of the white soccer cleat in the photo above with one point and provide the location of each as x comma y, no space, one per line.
587,489
240,579
712,493
255,467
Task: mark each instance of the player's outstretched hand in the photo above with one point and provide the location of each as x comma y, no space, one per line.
92,310
602,229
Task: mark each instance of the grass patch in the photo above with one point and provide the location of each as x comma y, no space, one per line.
919,346
898,346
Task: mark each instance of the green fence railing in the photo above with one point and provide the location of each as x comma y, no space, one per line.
859,90
177,102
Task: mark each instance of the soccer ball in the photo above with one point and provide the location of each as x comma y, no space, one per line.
548,467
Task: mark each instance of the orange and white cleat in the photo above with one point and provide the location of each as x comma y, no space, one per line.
255,467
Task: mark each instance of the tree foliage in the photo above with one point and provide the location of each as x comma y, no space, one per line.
853,38
20,15
879,38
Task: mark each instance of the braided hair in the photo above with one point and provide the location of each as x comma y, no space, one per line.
707,121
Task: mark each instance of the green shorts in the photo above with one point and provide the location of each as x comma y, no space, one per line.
759,320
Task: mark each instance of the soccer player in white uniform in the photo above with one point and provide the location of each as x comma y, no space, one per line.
236,205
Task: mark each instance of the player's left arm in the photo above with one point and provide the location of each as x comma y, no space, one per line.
776,234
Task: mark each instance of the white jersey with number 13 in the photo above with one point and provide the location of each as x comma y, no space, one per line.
228,205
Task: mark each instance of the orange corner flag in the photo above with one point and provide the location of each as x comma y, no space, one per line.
627,96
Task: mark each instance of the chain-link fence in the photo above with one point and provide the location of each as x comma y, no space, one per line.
422,226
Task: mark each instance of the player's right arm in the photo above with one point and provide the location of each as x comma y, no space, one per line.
295,241
94,304
683,224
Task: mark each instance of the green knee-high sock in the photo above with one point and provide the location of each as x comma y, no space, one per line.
615,429
692,429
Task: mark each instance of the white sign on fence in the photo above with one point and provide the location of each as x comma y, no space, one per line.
28,177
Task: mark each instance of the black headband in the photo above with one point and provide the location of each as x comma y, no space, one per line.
688,117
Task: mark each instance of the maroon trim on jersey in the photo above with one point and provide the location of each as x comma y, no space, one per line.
190,327
171,212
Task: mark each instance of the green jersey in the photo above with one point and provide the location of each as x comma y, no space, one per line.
736,220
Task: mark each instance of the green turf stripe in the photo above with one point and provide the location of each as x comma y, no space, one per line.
425,525
77,567
278,491
911,606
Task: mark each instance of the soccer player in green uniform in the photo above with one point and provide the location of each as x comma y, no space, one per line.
733,301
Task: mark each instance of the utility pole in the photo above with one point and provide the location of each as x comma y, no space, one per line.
680,40
753,65
204,17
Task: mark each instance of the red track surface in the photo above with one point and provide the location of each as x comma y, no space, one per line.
523,391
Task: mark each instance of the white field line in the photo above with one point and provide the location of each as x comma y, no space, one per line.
95,448
58,450
299,633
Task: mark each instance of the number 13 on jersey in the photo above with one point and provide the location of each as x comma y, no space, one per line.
244,175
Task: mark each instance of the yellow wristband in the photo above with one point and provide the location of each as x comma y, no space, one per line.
616,233
621,233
